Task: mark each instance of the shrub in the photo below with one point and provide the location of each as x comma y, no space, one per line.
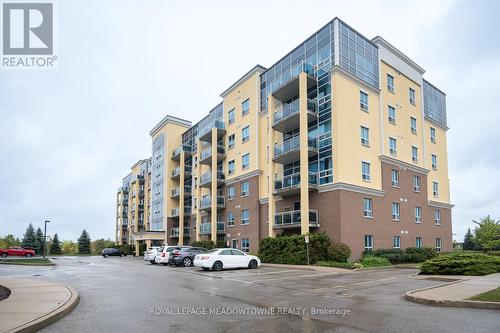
373,261
220,244
291,249
409,255
339,252
357,265
207,244
347,265
462,264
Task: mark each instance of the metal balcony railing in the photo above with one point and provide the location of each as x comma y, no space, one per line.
293,218
291,145
288,110
293,180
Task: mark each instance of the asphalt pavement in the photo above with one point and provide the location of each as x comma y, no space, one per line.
130,295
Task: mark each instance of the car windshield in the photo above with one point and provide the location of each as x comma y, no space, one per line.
214,250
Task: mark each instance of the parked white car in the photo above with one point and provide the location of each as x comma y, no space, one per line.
218,259
150,254
163,255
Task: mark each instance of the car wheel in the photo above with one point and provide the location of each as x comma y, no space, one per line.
152,262
28,255
4,255
105,256
217,266
121,254
187,262
252,264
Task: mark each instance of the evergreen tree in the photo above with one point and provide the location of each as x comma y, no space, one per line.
84,243
29,237
39,241
468,240
55,245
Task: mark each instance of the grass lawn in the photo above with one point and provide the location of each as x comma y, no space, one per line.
489,296
27,262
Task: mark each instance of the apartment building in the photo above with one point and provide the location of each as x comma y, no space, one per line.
342,135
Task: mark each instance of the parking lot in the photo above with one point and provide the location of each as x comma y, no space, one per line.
129,294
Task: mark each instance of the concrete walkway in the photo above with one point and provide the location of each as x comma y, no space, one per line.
455,293
34,304
308,267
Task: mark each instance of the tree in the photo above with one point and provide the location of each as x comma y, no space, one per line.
487,233
29,238
55,245
84,243
468,240
8,241
69,248
39,241
100,244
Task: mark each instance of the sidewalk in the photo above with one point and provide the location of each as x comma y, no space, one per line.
455,293
308,267
34,304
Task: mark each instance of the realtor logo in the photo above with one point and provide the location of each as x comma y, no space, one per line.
27,30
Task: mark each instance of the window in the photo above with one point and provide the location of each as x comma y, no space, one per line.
245,161
392,147
230,142
437,216
435,189
396,242
391,113
395,211
411,93
245,107
230,116
367,207
368,242
438,245
231,192
245,189
418,242
413,125
416,183
434,163
365,136
433,135
390,83
365,171
245,216
395,178
230,167
230,218
363,101
245,134
414,154
418,214
245,245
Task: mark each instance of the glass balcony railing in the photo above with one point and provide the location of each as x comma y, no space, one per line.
206,202
207,177
206,228
207,153
293,180
292,144
216,124
175,212
186,148
293,218
176,192
174,232
287,110
292,74
177,171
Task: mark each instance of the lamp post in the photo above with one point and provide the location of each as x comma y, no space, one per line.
45,239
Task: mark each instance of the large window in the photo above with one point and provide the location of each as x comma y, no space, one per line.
245,161
437,216
411,95
390,83
396,242
365,136
245,245
391,114
363,100
418,242
365,171
231,192
245,107
414,154
416,183
245,189
230,218
367,207
230,116
393,147
418,214
230,167
368,242
245,134
230,142
413,125
245,216
395,178
438,245
395,211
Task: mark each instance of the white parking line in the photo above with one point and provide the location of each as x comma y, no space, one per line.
258,274
354,284
295,277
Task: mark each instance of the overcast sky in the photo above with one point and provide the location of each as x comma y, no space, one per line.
68,136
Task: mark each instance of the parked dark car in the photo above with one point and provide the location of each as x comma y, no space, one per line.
112,252
185,256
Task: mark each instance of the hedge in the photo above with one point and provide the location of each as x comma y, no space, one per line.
409,255
291,249
462,264
374,261
208,244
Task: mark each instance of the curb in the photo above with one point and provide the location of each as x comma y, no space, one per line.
51,317
447,303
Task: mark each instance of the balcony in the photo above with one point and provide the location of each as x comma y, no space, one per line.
206,228
206,133
206,179
174,232
287,116
292,219
289,150
138,178
176,173
206,155
206,203
176,154
175,212
286,86
176,192
290,185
